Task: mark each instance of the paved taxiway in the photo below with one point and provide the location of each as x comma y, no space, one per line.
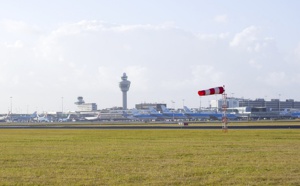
120,127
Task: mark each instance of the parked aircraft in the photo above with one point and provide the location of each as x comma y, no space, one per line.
172,115
93,118
25,118
65,119
136,115
41,118
155,113
195,115
295,115
4,118
220,116
206,115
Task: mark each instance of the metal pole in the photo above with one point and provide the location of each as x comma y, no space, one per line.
62,105
200,105
224,118
173,108
279,105
11,105
10,108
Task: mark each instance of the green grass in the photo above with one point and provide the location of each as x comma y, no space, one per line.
149,157
174,124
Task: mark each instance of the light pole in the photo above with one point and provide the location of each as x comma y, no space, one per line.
173,104
182,102
11,104
200,104
279,104
10,108
62,105
266,101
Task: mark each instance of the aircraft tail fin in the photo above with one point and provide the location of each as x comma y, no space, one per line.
34,115
125,114
8,114
152,110
186,109
164,109
135,111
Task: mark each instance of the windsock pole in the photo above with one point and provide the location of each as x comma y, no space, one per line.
218,90
224,117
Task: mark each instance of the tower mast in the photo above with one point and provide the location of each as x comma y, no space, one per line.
124,86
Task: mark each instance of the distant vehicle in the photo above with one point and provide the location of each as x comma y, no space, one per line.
93,118
65,119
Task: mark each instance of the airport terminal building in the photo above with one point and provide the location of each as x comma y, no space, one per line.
146,106
273,104
82,106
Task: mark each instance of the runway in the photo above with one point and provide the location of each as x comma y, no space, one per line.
145,127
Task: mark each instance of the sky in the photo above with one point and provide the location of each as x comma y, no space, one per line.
51,52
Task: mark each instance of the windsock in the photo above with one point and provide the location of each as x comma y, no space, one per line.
212,91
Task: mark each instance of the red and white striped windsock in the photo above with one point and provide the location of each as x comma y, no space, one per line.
212,91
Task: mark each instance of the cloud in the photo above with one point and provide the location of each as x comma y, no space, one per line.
163,62
255,64
251,41
221,18
206,75
20,27
16,44
297,53
273,79
246,37
138,75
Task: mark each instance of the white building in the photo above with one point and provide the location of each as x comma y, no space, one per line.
87,107
231,103
82,106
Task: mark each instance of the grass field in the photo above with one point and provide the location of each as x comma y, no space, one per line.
128,123
149,157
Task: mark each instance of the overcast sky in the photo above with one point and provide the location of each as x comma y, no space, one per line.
51,52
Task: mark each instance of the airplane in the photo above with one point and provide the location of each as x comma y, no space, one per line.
172,115
41,118
195,115
158,115
128,116
65,119
295,115
4,118
136,115
93,118
25,118
206,115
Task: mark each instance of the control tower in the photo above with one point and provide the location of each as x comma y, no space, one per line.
79,101
124,86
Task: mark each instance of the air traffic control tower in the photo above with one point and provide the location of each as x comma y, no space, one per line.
124,86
